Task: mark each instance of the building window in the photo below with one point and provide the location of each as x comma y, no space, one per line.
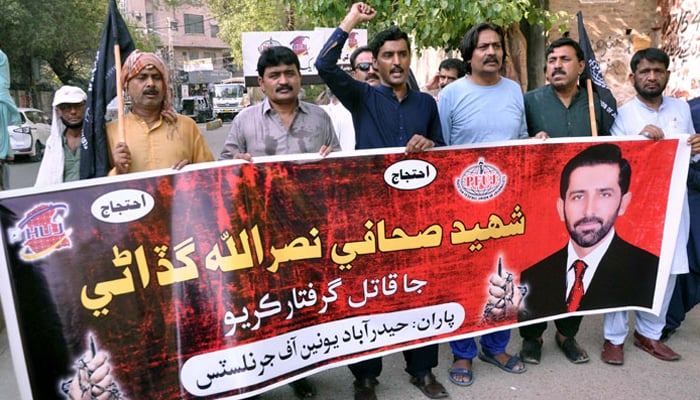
194,55
209,55
173,25
194,23
214,30
149,21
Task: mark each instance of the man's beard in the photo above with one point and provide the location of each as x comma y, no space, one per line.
72,126
590,238
649,94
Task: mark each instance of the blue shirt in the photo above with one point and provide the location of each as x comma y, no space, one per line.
473,113
380,119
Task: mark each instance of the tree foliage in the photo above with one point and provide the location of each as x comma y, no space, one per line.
49,41
432,23
64,35
236,17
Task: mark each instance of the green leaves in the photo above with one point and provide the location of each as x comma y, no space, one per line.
432,23
236,17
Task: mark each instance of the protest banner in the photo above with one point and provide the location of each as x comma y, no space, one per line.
230,278
305,44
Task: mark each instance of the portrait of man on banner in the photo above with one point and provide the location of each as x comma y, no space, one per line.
597,268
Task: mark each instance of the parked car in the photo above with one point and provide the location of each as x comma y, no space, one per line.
197,107
29,138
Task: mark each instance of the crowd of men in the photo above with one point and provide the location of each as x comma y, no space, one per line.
375,108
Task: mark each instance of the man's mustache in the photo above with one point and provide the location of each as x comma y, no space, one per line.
489,59
371,75
558,72
587,220
396,69
150,91
283,87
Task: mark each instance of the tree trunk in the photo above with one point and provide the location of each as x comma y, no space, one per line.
536,45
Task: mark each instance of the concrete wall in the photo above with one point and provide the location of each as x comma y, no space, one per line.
681,40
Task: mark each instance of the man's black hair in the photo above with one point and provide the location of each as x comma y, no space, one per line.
652,55
356,53
277,55
453,63
471,40
565,41
604,153
393,33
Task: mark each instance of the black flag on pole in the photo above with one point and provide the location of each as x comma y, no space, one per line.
608,104
94,159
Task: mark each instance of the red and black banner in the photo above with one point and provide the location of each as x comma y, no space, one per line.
229,279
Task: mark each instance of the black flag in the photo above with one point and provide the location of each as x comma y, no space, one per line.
608,104
94,159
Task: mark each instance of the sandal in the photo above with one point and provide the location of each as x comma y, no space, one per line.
461,376
513,361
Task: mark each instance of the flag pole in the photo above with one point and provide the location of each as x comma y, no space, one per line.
120,95
591,107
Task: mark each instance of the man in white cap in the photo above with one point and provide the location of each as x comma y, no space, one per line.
61,162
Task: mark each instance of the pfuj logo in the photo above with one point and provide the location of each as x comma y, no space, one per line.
268,43
480,181
41,231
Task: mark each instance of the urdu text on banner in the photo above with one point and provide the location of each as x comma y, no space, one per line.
229,279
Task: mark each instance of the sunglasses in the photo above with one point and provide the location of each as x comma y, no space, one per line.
363,66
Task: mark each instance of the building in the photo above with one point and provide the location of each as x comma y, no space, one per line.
187,39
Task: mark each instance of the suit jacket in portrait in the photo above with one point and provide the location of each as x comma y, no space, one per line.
626,276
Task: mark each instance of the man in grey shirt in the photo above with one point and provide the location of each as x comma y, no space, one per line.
281,123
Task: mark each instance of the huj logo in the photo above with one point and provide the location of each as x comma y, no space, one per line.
41,231
480,182
300,45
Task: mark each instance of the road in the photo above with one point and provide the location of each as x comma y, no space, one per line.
23,172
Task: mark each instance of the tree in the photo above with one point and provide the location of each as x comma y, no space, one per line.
236,17
62,34
433,23
53,41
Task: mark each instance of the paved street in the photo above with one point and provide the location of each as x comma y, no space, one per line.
642,377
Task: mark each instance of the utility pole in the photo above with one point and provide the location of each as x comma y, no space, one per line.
171,51
171,62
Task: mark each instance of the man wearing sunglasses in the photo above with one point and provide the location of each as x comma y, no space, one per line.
361,65
386,115
61,162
